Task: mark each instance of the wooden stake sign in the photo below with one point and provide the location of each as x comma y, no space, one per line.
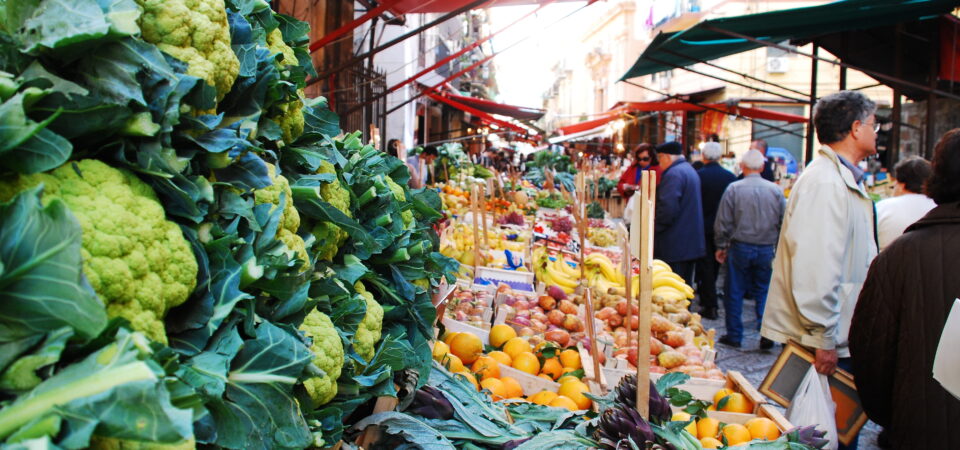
592,334
644,215
474,193
483,216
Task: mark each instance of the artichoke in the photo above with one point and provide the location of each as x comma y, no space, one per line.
620,424
809,436
626,395
429,402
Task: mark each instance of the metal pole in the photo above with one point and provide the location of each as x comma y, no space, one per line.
396,41
720,78
744,75
872,73
808,154
373,13
893,153
662,125
931,110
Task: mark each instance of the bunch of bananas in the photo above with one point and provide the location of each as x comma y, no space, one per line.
555,272
669,285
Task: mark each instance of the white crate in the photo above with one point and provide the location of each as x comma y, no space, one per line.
460,327
531,384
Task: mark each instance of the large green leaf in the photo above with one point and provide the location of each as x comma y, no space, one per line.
27,146
56,24
41,283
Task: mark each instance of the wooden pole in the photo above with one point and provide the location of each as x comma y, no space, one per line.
646,211
474,193
594,351
483,216
581,216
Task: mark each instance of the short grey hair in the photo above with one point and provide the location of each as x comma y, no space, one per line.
834,114
753,160
712,151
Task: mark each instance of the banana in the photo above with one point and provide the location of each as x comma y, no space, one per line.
662,264
665,280
669,293
566,269
559,278
549,279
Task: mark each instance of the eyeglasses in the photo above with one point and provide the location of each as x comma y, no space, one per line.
645,158
876,126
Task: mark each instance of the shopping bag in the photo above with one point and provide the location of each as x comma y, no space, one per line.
628,210
813,405
946,365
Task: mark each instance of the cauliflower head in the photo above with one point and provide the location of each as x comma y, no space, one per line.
327,355
406,215
368,333
195,32
329,236
290,117
136,260
289,218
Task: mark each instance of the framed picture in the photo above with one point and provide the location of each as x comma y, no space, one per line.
784,379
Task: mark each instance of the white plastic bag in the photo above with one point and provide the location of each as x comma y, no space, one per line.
813,405
628,210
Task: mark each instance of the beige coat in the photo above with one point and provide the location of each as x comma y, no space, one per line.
825,248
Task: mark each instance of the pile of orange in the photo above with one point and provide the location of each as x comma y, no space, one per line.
712,435
462,353
730,401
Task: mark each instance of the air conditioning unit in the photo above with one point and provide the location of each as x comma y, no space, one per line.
778,64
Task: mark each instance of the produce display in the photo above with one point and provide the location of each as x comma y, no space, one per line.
601,237
209,261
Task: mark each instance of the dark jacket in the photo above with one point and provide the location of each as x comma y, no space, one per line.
629,176
714,180
896,328
679,215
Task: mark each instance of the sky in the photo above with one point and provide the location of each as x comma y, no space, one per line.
524,70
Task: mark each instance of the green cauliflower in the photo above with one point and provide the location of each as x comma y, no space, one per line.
290,118
327,356
195,32
406,215
329,236
368,333
108,443
290,217
137,261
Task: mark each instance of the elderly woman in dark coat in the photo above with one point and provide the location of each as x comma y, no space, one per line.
901,313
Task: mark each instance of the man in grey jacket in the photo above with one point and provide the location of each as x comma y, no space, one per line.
746,231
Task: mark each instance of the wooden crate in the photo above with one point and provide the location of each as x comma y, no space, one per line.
704,389
767,411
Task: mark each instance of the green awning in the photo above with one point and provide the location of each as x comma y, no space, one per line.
684,48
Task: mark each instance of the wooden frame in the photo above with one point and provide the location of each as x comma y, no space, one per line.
785,377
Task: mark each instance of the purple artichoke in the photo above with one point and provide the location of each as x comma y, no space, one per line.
622,423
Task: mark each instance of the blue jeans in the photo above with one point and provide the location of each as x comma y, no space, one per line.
749,268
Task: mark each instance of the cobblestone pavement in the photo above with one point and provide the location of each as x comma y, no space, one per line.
754,363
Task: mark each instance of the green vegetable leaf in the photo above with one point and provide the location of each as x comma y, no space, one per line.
57,24
412,431
258,408
559,439
670,380
22,374
41,283
27,146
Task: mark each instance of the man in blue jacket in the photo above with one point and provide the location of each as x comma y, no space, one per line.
714,180
678,225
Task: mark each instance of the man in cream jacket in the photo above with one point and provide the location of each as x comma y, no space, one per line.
828,237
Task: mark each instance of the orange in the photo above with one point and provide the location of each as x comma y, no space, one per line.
496,388
543,397
683,417
762,428
721,394
574,391
526,362
707,427
567,370
469,376
563,402
567,378
737,403
545,376
500,334
486,367
452,363
512,387
448,336
440,349
501,357
709,442
467,347
735,434
552,368
570,358
516,346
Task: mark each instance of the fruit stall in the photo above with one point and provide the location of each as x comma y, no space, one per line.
194,254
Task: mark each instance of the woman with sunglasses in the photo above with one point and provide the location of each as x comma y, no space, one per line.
644,158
